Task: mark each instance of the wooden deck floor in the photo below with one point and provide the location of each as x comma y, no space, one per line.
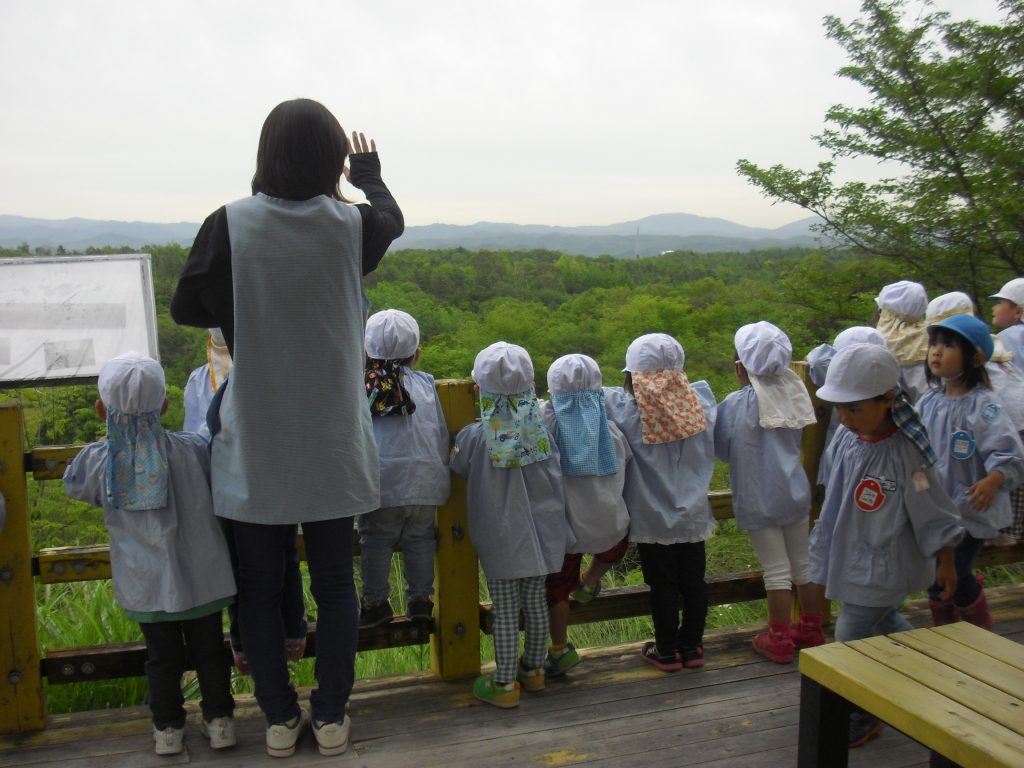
737,712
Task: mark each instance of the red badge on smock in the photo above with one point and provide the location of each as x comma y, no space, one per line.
868,497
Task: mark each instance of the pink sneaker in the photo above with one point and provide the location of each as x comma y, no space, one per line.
775,644
806,633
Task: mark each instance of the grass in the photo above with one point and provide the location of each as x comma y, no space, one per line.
79,614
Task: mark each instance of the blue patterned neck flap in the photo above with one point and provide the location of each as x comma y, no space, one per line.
136,461
514,429
585,444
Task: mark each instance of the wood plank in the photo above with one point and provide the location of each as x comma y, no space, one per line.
980,665
926,716
992,703
987,642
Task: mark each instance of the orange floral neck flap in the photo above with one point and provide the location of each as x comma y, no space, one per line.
669,408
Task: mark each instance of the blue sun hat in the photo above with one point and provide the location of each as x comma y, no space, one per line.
972,329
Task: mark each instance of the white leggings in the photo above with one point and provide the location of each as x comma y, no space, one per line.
783,554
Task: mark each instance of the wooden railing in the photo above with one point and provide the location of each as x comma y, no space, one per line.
453,635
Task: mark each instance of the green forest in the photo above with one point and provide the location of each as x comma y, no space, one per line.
551,303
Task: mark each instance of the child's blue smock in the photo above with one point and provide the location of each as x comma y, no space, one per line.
666,488
413,449
769,485
167,560
198,394
1008,385
1013,341
516,515
884,518
971,436
594,507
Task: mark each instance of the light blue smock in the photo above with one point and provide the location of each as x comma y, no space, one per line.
413,449
1013,342
198,394
594,506
1008,385
971,436
876,552
516,515
167,560
296,443
666,488
769,485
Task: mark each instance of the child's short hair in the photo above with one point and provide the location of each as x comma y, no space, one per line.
974,375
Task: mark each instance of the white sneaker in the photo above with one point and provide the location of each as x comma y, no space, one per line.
220,731
332,738
169,741
281,737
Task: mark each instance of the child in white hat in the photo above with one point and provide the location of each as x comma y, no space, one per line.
758,433
593,454
154,489
412,442
669,424
900,319
1008,315
885,517
516,515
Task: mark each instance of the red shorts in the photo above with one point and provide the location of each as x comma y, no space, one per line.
558,586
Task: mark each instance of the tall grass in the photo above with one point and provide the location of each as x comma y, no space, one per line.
80,614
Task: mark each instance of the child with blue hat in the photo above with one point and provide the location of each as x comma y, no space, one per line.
979,454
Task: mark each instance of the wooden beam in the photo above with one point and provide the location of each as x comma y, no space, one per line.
21,686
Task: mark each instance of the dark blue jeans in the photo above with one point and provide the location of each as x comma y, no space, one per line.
263,553
967,589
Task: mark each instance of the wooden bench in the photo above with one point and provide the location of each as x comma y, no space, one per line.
957,689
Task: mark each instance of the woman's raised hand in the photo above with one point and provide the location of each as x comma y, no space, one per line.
359,146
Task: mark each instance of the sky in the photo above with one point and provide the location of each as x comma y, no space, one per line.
560,112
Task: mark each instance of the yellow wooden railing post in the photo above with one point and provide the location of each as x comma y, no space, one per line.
21,685
455,644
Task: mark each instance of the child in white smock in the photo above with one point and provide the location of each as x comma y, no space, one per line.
1008,315
412,443
900,319
168,557
980,456
593,454
757,433
669,424
516,515
885,517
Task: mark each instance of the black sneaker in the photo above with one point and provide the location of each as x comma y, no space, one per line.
420,609
863,728
373,615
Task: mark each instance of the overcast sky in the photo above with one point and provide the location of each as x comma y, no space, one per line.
532,111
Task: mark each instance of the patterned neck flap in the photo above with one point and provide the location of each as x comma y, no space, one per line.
514,429
136,474
384,389
906,336
909,423
585,445
219,358
669,408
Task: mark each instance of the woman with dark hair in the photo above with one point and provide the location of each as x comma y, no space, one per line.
280,273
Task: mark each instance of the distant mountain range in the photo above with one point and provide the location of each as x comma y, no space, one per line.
643,237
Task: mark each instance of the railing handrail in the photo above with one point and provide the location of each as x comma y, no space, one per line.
454,634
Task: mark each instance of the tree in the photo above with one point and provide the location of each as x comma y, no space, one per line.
947,114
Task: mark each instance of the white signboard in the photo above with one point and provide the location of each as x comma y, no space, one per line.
62,318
